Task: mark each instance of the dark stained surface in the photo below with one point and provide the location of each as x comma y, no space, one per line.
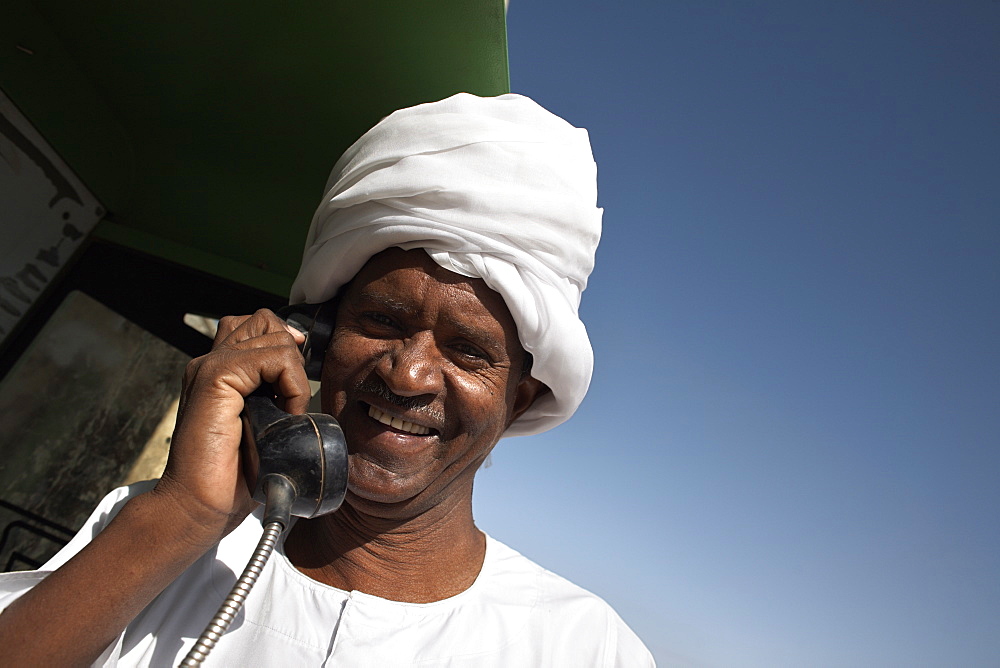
75,413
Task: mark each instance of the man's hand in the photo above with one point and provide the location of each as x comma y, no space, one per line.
203,474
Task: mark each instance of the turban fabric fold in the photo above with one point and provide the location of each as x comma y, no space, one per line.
492,188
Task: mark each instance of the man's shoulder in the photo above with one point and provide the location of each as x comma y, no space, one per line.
565,610
553,589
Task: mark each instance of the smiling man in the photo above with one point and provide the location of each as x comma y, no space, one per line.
452,246
424,374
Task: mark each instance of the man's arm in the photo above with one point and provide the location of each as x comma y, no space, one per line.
74,614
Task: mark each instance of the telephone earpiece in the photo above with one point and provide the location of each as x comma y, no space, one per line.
316,322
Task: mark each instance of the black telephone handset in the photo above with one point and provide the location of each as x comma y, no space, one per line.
301,460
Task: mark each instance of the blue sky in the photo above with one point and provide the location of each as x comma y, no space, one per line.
789,454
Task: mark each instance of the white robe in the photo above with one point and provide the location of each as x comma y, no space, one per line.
515,614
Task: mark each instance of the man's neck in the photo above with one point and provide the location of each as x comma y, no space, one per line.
415,561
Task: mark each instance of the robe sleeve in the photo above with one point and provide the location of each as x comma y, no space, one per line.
16,584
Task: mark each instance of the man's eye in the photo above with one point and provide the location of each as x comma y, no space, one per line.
380,320
470,351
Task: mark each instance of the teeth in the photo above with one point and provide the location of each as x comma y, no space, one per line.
396,423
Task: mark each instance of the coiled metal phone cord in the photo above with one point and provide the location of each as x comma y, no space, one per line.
276,518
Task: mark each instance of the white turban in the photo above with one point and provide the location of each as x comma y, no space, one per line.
492,188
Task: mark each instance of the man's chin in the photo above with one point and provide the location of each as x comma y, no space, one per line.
370,483
399,501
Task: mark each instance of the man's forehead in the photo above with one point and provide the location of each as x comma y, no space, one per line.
397,258
388,263
381,282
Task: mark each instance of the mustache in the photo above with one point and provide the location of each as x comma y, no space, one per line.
420,404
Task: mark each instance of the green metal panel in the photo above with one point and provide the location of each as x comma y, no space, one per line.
208,128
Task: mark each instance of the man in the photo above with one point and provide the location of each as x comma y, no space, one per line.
453,244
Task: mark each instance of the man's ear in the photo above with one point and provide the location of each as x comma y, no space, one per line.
528,389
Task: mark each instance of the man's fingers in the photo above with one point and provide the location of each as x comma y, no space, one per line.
296,395
282,339
248,352
283,369
226,326
236,329
246,367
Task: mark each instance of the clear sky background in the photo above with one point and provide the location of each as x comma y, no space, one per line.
789,454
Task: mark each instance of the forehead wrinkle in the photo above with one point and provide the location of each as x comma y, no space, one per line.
371,296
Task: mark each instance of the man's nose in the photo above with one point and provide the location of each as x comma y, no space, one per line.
413,366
